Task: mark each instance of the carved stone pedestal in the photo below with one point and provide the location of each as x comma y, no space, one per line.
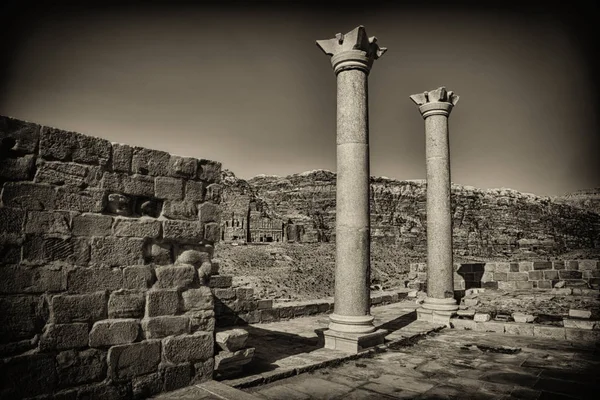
353,342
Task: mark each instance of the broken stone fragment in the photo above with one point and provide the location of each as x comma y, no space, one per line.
412,294
580,314
232,340
119,204
560,284
482,317
226,360
470,302
465,313
523,318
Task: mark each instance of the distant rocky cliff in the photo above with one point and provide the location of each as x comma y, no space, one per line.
487,223
588,199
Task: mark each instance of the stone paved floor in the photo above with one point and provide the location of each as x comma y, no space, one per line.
454,364
290,347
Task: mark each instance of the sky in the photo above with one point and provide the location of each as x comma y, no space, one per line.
245,84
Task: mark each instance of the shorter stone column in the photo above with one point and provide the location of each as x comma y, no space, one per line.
435,107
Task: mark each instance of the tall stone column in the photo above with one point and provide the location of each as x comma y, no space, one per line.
351,325
435,107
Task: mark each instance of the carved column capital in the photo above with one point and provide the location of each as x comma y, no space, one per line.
354,50
435,102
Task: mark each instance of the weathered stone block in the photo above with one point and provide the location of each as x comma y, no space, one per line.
23,135
202,320
583,336
463,324
150,162
183,230
111,332
481,317
83,280
502,267
209,171
76,368
40,250
269,315
22,279
537,265
28,195
551,332
138,277
121,157
64,336
179,276
588,265
545,284
168,188
60,173
72,198
537,275
11,220
569,274
500,276
142,228
78,308
196,347
220,281
232,340
550,275
580,313
212,232
162,302
208,212
131,360
92,150
203,371
225,294
18,318
92,225
47,222
558,265
177,209
213,193
524,284
580,324
518,329
134,185
490,326
126,303
517,276
159,253
226,360
194,191
27,376
17,169
183,167
523,318
163,326
117,251
146,386
177,376
56,144
572,265
506,285
198,299
525,266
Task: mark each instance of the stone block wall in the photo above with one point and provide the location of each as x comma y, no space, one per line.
238,306
582,274
95,300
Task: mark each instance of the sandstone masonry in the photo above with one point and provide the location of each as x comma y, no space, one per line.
100,292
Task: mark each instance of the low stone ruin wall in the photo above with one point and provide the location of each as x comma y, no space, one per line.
105,268
238,306
575,274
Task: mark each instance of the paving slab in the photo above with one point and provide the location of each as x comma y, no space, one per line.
454,364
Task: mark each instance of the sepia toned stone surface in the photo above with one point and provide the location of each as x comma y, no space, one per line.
352,57
435,107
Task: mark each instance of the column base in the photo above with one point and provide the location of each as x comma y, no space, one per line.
351,323
353,342
437,311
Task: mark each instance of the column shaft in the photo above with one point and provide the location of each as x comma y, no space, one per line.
352,272
439,213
